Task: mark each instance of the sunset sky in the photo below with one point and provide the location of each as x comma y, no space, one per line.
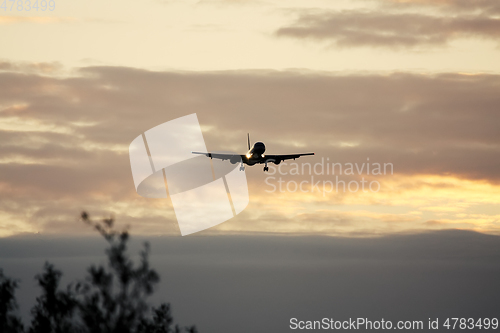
414,83
410,84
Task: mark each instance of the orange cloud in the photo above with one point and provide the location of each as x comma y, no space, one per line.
34,19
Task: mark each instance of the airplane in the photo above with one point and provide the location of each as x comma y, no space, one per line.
255,155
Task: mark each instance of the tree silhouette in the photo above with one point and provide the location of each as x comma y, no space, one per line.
9,322
54,309
112,298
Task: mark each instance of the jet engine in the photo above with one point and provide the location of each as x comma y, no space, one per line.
235,159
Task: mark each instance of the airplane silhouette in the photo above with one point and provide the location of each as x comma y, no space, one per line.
255,155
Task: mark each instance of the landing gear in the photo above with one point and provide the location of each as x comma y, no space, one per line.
266,168
242,167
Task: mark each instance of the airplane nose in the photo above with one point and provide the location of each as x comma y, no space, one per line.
260,149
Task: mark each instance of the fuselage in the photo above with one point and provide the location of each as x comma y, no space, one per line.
256,154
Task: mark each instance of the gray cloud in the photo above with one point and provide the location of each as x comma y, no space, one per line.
67,145
389,30
491,7
397,116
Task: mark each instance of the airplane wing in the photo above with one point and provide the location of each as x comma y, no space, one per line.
220,156
278,158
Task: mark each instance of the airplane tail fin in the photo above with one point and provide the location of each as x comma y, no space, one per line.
248,136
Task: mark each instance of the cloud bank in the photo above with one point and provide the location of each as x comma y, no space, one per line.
64,141
258,283
399,24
